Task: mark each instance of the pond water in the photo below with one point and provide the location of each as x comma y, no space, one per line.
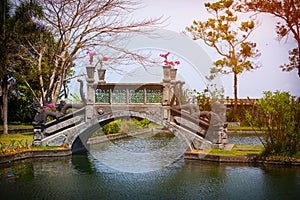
138,173
245,139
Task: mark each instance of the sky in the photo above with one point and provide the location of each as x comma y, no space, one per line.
181,13
178,15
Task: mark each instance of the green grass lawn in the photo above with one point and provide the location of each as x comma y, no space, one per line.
6,139
12,143
239,150
244,150
243,128
13,127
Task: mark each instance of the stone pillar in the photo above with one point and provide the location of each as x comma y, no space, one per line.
172,93
38,135
166,92
90,98
177,92
180,88
145,96
167,73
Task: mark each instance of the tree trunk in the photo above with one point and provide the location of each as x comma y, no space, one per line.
56,90
235,94
59,83
4,104
41,81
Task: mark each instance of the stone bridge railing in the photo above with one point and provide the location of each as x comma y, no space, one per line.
181,123
113,93
77,136
158,102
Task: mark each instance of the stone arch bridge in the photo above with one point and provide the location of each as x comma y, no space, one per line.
158,102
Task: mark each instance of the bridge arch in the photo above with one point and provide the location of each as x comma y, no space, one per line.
78,140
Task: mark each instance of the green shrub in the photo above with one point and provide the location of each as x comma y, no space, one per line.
279,114
141,123
125,125
111,128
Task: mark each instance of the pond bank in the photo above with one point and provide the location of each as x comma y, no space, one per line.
254,159
245,132
7,158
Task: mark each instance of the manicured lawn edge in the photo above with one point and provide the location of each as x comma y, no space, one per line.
249,157
17,127
244,129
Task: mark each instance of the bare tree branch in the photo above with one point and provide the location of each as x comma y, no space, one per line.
82,25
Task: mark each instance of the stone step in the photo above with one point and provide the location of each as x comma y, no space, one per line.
228,147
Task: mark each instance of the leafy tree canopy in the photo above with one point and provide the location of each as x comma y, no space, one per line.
229,37
288,11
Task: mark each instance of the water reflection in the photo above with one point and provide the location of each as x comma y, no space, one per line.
140,154
244,139
83,164
85,177
15,172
